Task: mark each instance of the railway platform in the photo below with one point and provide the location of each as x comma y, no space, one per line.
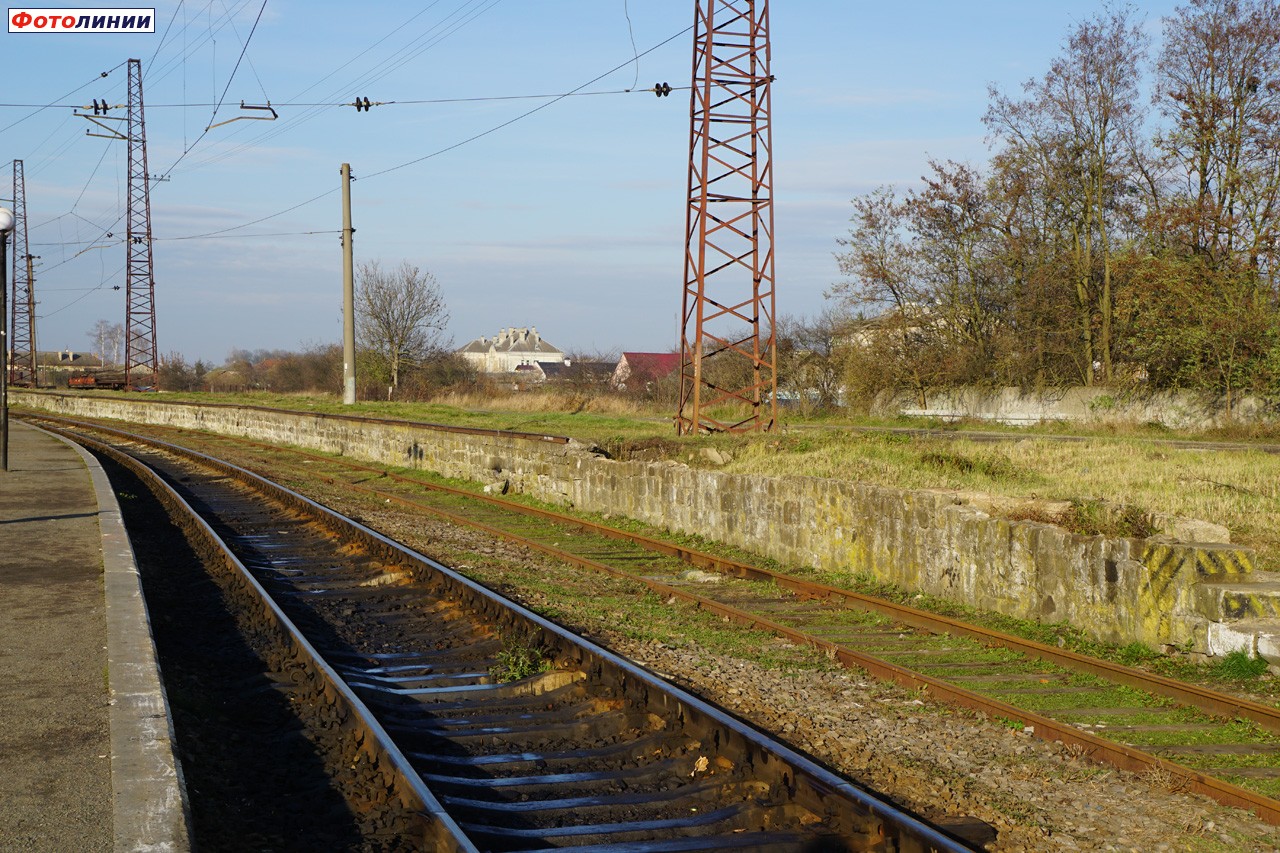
86,740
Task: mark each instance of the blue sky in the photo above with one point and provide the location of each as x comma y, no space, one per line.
570,219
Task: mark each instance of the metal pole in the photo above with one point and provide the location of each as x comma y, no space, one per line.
4,343
348,294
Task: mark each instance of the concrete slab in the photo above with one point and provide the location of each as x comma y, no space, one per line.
1257,637
1252,596
87,741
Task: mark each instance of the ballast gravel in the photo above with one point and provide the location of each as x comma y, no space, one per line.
931,758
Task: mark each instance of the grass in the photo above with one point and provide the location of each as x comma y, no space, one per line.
1226,732
602,603
1239,666
1111,467
1239,489
1248,679
521,656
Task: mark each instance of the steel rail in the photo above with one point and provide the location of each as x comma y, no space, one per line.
807,777
1192,695
1116,754
494,433
439,827
1110,752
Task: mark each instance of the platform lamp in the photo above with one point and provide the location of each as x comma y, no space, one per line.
6,225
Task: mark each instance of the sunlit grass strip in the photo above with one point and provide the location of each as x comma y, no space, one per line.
1234,488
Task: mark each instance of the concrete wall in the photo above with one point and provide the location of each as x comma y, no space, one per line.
1120,590
1179,410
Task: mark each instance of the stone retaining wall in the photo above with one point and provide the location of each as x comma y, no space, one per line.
1120,590
1176,409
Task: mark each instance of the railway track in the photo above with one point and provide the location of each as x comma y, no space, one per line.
1224,746
587,751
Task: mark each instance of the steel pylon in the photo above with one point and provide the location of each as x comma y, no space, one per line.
22,320
728,359
140,360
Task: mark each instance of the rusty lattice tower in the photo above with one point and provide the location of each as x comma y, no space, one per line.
22,320
728,362
140,360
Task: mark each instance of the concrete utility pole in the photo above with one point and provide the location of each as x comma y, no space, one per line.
348,295
6,225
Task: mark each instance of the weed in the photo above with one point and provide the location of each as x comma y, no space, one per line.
1240,666
1102,403
1162,779
1097,518
1136,654
521,656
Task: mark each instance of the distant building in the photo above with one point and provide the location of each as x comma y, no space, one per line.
509,349
66,361
54,368
580,372
636,370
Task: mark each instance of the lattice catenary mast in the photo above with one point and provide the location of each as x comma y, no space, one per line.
140,360
22,363
728,360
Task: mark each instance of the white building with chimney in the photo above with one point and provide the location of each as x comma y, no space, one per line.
509,349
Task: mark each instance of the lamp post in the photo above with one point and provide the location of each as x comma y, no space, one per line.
6,225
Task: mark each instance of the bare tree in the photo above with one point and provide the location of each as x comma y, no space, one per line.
1080,122
1219,83
808,365
400,319
107,340
881,264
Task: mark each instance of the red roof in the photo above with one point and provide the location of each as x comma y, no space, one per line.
648,366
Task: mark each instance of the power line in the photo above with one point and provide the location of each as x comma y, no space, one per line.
454,21
509,122
167,67
247,236
189,149
165,36
635,80
404,102
557,99
254,222
40,107
239,59
225,233
90,292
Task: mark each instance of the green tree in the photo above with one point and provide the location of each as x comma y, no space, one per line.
1206,328
1080,124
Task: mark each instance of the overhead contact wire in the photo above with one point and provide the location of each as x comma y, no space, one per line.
507,123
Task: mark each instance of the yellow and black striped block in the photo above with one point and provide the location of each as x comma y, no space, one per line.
1196,562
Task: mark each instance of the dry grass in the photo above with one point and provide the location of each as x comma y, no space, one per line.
1239,489
566,401
1118,465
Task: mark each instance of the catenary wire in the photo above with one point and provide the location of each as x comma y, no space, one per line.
448,148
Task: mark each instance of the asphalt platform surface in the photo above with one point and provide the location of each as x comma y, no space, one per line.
87,761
